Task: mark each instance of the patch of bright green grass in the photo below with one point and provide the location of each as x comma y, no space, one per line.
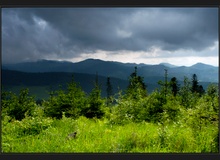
99,136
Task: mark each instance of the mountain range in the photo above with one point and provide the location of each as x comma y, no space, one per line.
204,72
46,75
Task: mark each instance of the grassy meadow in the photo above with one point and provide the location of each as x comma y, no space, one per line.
168,120
99,136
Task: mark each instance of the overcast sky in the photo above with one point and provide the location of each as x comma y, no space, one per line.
180,36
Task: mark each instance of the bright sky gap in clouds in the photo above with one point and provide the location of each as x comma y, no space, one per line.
180,36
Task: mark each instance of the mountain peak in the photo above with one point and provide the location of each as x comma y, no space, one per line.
168,65
201,66
117,69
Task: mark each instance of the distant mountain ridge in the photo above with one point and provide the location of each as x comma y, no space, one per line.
204,72
40,84
52,80
168,65
202,66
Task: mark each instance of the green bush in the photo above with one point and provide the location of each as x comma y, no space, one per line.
95,106
17,106
155,108
171,110
33,125
71,102
15,131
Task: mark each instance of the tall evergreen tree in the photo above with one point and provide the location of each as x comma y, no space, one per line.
195,85
97,87
95,102
164,85
196,88
164,89
17,106
109,91
72,101
201,90
174,86
185,93
136,85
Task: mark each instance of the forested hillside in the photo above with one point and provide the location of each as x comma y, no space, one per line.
40,84
173,118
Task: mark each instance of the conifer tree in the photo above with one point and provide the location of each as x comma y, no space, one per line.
109,91
164,89
174,86
195,85
95,102
196,88
136,86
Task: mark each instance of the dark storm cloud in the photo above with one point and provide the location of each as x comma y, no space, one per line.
29,33
23,39
172,30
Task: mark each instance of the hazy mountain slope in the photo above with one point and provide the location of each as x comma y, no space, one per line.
168,65
40,84
11,80
205,73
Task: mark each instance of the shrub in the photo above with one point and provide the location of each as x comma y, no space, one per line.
95,106
17,106
70,102
33,125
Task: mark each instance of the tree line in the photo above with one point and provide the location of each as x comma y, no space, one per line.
134,104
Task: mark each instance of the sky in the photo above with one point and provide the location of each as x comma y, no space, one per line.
180,36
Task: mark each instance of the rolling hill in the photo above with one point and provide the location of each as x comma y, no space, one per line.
43,76
48,81
205,73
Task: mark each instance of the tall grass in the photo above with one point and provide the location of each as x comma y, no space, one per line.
100,136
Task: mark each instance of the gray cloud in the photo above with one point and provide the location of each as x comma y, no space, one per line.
35,33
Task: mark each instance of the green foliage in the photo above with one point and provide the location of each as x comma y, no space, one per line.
144,109
99,136
71,102
154,108
167,120
155,104
212,96
136,87
174,86
195,87
14,131
109,92
33,125
17,106
171,111
206,112
186,98
95,104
